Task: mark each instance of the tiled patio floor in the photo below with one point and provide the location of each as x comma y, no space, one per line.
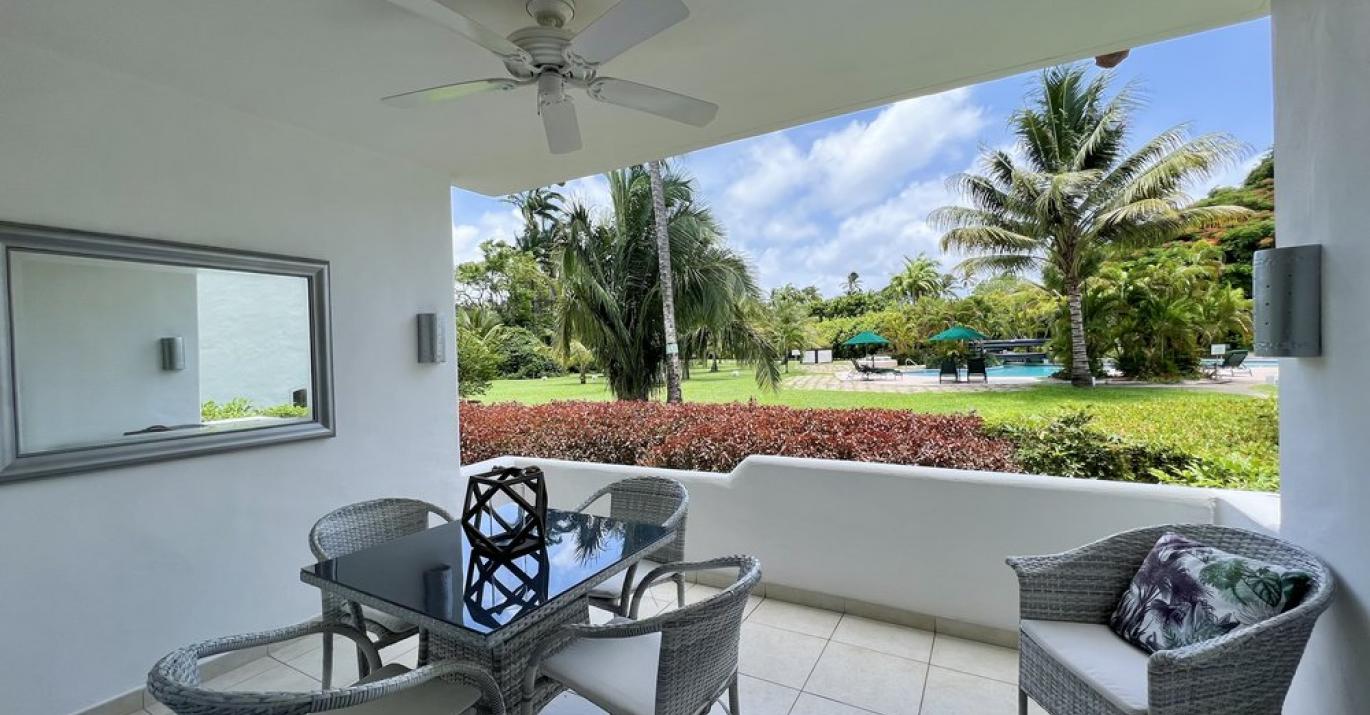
795,660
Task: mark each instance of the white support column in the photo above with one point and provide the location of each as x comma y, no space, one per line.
1322,160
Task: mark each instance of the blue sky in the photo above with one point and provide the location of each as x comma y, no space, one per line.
810,204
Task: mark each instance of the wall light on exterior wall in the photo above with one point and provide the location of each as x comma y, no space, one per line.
1287,290
173,354
432,339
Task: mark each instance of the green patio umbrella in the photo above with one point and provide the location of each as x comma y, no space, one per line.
959,332
867,338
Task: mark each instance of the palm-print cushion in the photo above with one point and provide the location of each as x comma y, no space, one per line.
1186,592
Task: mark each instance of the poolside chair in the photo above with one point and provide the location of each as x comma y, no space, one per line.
948,368
976,366
1234,361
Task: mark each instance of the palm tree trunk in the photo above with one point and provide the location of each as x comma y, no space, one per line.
1079,354
663,252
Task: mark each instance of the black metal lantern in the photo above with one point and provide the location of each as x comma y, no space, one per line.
506,511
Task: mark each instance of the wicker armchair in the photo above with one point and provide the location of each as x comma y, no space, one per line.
676,663
359,526
389,690
652,500
1066,601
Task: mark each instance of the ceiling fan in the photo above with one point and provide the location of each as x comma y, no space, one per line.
554,59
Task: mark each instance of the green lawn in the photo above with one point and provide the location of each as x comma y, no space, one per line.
1235,429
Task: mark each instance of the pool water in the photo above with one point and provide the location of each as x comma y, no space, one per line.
1012,370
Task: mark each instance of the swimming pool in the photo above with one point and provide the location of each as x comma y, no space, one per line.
1013,370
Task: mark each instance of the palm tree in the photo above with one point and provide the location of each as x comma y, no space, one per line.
612,290
663,257
790,327
921,277
480,321
1074,190
853,282
542,214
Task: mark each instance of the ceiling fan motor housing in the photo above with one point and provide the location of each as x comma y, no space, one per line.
546,44
551,13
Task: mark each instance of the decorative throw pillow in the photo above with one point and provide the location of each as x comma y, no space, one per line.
1186,592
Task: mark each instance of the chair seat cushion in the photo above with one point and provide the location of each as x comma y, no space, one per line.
617,674
393,624
613,588
435,697
1110,665
1186,592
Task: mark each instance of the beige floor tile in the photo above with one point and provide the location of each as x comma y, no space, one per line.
759,697
990,661
809,704
868,679
951,693
697,593
278,678
139,711
247,670
793,617
297,647
570,704
344,664
777,655
884,637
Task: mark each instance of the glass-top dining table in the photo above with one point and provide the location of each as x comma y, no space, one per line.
488,611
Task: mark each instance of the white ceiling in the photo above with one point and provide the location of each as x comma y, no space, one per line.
769,64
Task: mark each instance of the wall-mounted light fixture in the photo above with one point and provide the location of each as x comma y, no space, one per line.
432,339
1286,286
173,354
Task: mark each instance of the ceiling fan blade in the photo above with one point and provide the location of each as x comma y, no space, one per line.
445,13
623,26
448,92
558,115
653,100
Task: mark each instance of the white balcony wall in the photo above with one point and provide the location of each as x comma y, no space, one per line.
1322,111
917,539
102,573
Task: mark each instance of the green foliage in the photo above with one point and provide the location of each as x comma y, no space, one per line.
240,407
921,277
1241,238
235,408
611,288
477,364
849,305
1069,446
523,355
510,283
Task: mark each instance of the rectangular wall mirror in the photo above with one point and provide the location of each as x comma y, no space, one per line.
119,350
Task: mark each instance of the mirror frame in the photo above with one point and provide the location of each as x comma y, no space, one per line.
15,466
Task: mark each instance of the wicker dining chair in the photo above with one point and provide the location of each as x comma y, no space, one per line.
356,527
652,500
677,663
390,690
1071,662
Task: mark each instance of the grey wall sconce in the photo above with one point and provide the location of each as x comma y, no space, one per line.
432,339
173,354
1286,286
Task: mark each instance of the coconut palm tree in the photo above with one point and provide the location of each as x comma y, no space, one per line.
1070,189
663,257
853,282
542,213
611,287
790,327
921,277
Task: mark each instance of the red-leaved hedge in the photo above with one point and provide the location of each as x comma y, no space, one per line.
716,437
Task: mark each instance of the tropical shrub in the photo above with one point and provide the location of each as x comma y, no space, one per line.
1068,446
477,364
240,407
523,355
713,437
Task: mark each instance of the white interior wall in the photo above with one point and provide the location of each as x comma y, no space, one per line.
101,573
1322,111
87,360
254,337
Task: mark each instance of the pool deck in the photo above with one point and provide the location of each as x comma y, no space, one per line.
838,377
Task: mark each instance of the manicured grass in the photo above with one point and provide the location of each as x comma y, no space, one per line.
1209,425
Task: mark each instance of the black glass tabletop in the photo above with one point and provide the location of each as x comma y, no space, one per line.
437,573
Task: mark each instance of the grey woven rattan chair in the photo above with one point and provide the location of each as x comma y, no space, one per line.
651,500
389,690
676,663
1065,643
356,527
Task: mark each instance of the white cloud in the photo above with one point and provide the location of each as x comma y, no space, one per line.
501,225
